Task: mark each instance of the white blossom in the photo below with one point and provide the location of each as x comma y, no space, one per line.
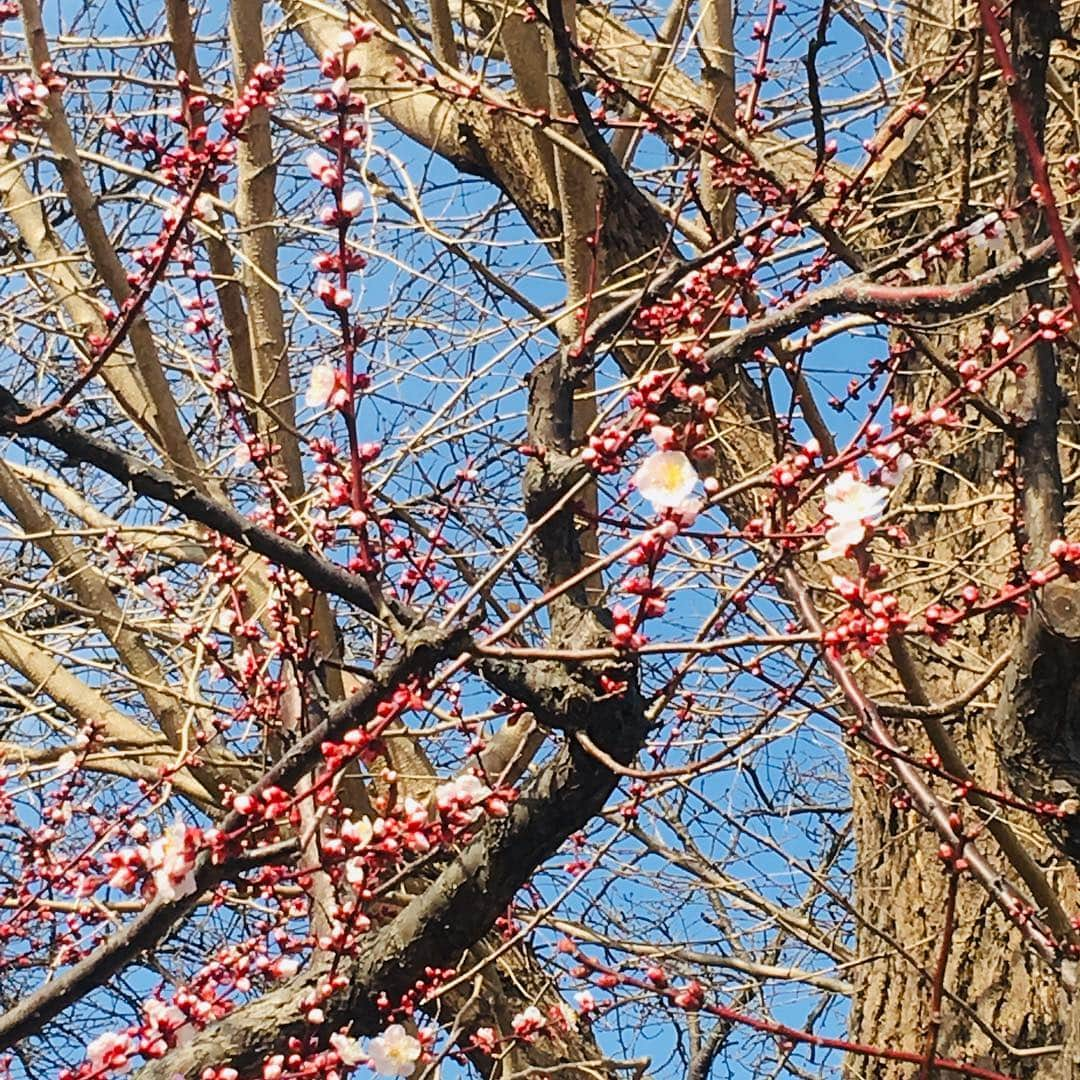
66,763
109,1053
205,208
321,388
463,793
989,233
666,478
851,504
349,1050
352,202
892,471
358,832
172,866
841,537
395,1052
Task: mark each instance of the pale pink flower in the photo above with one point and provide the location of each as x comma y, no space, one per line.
990,234
898,463
841,537
395,1052
485,1039
349,1050
171,863
205,208
109,1052
355,873
322,386
66,763
666,478
851,504
663,436
162,1021
357,832
464,794
528,1022
352,202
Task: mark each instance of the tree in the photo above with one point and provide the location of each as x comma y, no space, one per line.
537,540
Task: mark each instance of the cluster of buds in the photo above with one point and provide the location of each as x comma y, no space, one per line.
27,104
340,138
462,801
868,620
624,634
604,454
796,467
271,804
683,314
651,595
260,91
1066,553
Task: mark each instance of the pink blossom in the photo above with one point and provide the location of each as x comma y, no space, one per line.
171,860
464,794
527,1023
109,1052
851,504
395,1052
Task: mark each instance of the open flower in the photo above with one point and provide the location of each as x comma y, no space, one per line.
527,1023
395,1052
171,859
851,504
166,1025
464,794
348,1050
898,463
110,1052
990,234
666,478
325,388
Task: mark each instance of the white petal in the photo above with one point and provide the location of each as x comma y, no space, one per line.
321,387
839,538
666,478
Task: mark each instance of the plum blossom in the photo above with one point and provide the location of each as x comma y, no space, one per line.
663,436
109,1052
527,1023
166,1025
359,832
355,873
348,1049
463,794
989,233
324,390
394,1053
205,208
66,763
352,202
851,504
666,478
171,861
898,463
485,1039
